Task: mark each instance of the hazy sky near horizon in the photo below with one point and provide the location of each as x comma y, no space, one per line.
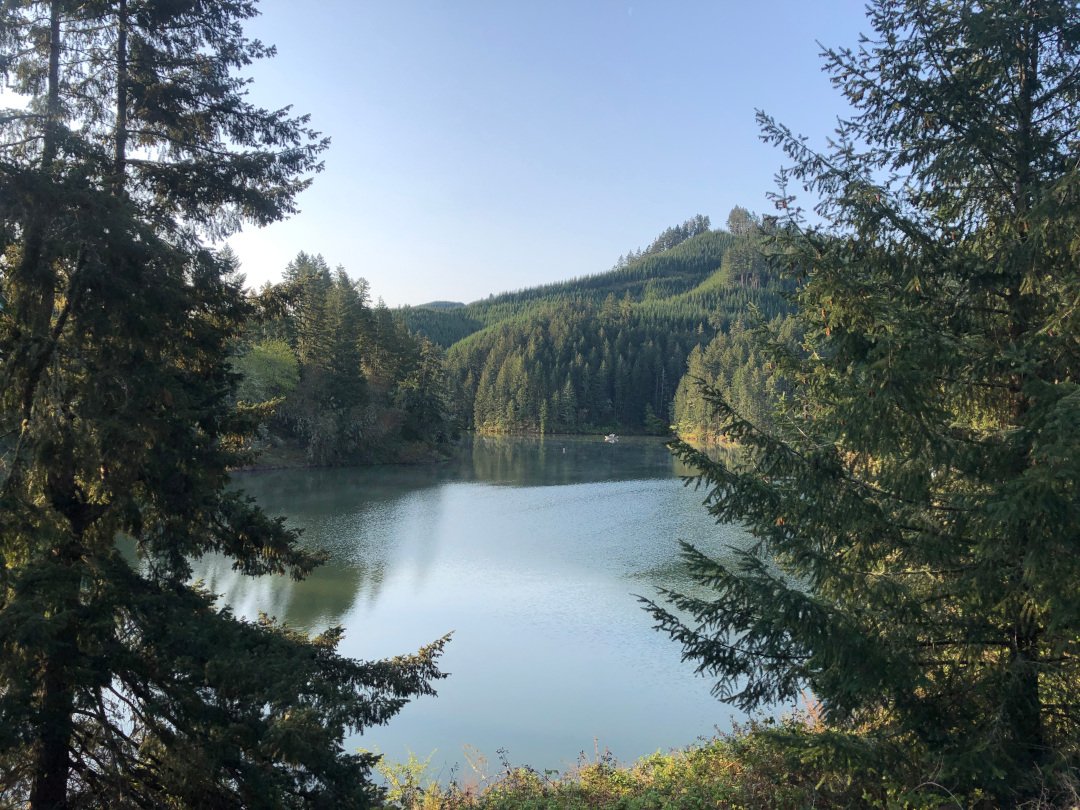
480,146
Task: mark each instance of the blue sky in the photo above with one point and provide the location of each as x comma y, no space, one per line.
479,147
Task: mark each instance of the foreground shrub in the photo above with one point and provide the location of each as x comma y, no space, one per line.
763,765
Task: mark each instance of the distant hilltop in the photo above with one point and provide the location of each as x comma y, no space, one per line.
442,305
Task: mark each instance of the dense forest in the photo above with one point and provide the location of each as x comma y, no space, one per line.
732,364
609,351
339,380
343,381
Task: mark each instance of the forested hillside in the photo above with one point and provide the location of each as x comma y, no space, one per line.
733,364
677,261
341,381
605,352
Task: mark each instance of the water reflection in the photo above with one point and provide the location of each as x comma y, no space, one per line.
560,460
320,601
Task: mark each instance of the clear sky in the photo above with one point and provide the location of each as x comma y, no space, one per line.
480,146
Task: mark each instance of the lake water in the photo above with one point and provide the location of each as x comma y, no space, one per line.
531,551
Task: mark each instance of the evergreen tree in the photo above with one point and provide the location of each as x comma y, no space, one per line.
422,396
919,490
368,390
122,686
345,316
308,285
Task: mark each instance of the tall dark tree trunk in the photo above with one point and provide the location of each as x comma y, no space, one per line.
120,136
1023,708
32,310
52,766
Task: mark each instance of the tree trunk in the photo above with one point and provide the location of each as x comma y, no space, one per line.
1023,705
32,307
120,135
53,763
52,767
1022,701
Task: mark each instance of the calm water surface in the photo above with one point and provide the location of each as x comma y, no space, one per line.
531,552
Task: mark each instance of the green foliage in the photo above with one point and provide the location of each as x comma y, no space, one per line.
669,238
125,687
366,389
268,370
915,497
761,766
602,353
674,271
582,371
422,396
409,784
444,326
733,366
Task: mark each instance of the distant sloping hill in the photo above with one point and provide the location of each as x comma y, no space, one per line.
442,305
442,325
607,351
652,277
656,275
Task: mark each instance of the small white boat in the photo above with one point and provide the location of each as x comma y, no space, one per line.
611,438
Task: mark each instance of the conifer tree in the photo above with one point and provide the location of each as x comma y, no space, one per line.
308,282
918,493
124,686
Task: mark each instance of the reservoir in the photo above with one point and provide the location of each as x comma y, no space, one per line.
532,552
